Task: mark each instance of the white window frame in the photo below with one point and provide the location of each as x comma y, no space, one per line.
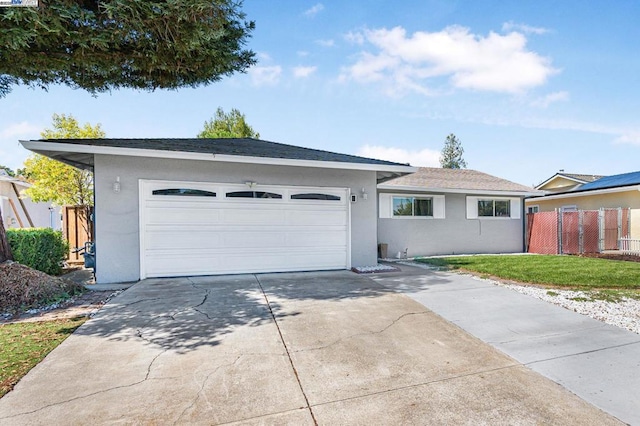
514,208
413,206
386,206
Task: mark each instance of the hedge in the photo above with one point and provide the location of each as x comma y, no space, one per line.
39,248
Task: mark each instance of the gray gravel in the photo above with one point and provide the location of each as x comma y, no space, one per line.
624,313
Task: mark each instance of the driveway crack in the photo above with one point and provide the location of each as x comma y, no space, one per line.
204,382
351,336
295,371
146,377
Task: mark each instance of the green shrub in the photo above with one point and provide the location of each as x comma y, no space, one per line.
39,248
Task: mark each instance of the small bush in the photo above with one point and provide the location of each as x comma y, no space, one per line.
39,248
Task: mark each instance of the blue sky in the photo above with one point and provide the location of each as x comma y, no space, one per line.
529,87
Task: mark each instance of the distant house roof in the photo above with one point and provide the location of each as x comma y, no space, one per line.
457,180
615,181
80,153
579,178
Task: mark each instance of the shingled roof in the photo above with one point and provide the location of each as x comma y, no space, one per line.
238,146
456,179
581,177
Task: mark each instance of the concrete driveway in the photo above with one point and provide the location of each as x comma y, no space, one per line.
596,361
307,348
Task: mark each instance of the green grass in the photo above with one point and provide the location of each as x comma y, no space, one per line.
569,272
24,345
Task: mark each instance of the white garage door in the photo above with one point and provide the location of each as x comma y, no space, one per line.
190,228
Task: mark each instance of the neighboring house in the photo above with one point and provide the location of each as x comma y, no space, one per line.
615,191
18,211
179,207
563,182
451,211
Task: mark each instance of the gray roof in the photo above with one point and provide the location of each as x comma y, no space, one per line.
458,179
239,147
581,177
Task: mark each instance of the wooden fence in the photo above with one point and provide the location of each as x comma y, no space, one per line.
576,232
77,228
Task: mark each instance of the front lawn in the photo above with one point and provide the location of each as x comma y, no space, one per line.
23,345
572,272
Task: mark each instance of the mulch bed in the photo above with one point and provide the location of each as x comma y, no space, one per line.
612,256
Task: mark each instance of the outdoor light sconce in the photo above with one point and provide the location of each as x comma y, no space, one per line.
116,185
251,184
364,193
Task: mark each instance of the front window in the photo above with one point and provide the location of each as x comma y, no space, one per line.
412,206
494,208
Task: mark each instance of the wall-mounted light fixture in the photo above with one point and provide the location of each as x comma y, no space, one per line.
251,184
116,185
364,193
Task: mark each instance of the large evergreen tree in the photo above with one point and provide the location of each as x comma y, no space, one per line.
452,151
99,45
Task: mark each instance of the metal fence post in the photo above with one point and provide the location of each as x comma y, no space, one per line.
580,231
600,230
559,217
619,226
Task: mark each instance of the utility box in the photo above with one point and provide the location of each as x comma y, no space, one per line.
382,250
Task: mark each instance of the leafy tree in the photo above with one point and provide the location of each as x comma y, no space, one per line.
58,182
9,171
231,125
452,151
100,45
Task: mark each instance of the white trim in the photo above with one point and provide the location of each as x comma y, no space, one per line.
385,206
458,191
562,176
472,208
38,146
586,193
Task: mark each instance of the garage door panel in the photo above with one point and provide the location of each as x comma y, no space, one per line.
192,236
175,240
316,239
174,215
318,218
253,216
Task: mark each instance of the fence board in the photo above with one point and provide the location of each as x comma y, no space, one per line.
579,231
75,226
542,232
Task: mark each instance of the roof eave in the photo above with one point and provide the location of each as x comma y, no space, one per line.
457,190
587,193
44,147
560,175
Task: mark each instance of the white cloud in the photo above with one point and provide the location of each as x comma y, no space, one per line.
409,63
629,138
17,130
326,43
265,76
425,157
302,53
547,100
314,10
303,72
523,28
354,37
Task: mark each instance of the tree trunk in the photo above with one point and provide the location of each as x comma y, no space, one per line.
5,250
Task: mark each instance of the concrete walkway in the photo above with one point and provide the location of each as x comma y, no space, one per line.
302,349
596,361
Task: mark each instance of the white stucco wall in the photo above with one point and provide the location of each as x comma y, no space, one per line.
117,221
455,234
